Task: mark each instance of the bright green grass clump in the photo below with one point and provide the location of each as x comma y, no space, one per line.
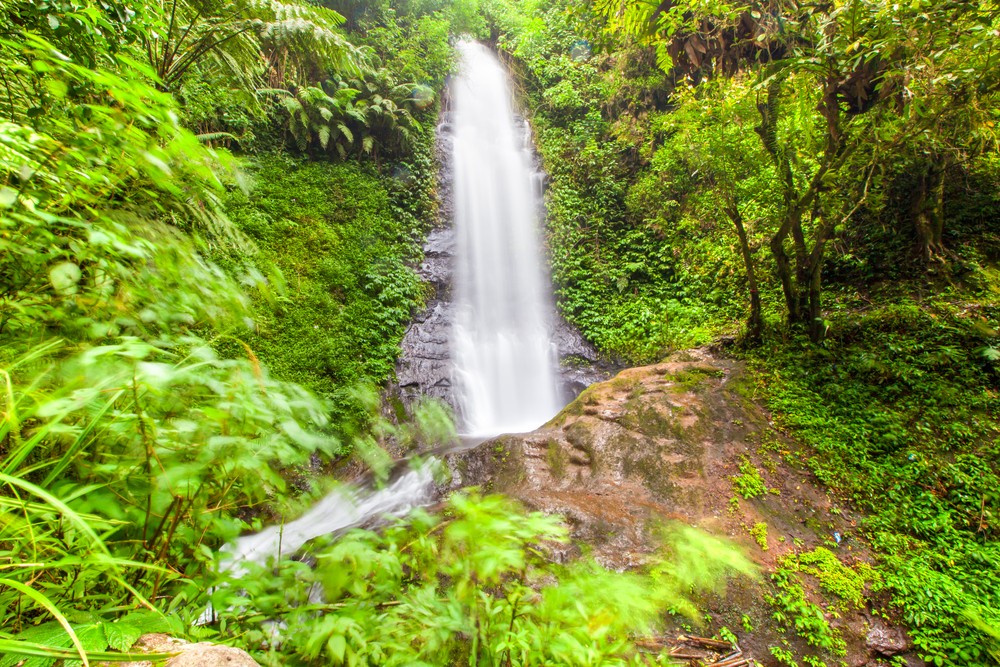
749,483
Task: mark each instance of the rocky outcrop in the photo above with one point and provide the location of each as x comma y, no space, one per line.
202,654
424,367
665,442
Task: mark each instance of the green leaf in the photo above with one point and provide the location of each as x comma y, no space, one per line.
51,608
337,645
121,636
64,277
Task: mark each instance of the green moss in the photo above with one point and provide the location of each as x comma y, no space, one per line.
741,387
628,385
848,583
556,459
398,409
331,285
646,419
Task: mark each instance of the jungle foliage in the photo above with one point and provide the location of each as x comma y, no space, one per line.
140,285
189,337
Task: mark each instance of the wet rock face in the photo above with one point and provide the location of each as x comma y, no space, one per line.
425,367
662,443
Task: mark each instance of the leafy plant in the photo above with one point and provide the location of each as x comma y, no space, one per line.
749,483
759,534
805,618
473,585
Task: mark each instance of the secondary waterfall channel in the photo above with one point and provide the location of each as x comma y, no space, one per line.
504,364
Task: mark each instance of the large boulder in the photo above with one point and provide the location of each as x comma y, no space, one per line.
201,654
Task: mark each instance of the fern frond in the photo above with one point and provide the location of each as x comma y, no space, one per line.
346,132
212,136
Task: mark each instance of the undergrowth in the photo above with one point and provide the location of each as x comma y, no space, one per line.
899,410
341,247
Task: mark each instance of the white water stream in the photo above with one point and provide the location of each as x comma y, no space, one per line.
344,508
501,342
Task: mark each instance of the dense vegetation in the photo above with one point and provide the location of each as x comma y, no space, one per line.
208,215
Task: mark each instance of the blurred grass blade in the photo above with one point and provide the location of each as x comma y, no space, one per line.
80,441
14,647
18,455
35,353
58,505
51,608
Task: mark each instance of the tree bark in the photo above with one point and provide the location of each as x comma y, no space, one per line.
768,132
927,210
784,268
755,323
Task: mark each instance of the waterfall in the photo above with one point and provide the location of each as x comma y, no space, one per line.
500,341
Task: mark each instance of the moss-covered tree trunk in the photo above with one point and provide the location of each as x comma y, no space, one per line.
768,132
817,326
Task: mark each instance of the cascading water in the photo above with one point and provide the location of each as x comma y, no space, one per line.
501,343
344,508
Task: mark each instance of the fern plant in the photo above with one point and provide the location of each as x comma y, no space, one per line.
370,114
251,40
314,113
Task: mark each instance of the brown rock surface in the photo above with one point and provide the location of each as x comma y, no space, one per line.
663,442
202,654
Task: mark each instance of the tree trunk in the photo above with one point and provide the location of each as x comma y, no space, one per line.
927,210
802,270
936,197
755,323
783,263
768,132
817,327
